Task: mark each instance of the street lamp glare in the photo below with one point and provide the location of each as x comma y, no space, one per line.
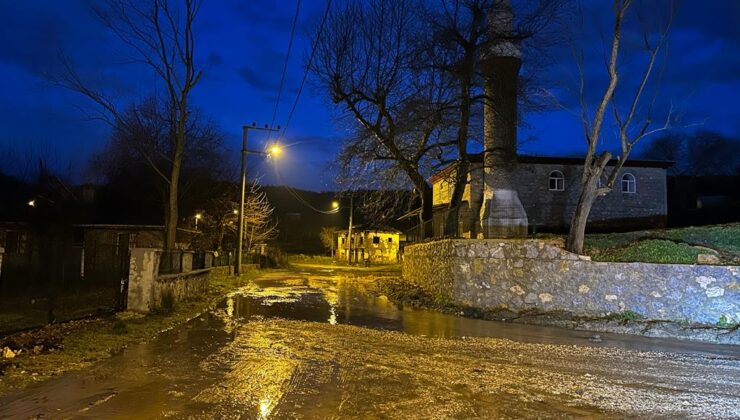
32,203
335,204
236,211
198,216
275,150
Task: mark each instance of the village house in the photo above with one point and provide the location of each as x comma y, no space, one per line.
548,188
375,245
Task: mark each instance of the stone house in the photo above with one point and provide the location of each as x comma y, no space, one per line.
548,188
376,245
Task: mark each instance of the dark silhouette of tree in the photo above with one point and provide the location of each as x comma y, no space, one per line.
703,153
160,35
405,74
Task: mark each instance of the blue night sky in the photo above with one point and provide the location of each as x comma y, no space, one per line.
241,46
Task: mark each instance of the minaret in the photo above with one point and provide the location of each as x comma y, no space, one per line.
503,215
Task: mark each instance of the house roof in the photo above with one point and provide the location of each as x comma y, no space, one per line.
370,228
558,160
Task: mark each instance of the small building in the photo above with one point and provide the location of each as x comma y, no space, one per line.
375,245
549,188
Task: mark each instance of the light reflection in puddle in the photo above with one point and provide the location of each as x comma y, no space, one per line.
346,300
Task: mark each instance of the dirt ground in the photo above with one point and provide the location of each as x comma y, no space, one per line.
302,345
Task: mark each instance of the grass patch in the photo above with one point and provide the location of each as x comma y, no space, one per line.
725,238
625,316
671,246
82,343
650,251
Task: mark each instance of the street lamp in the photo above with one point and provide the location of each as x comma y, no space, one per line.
273,151
32,203
198,216
335,207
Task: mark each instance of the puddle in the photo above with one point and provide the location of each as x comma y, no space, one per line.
344,300
225,365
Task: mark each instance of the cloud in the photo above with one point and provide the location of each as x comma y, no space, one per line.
258,80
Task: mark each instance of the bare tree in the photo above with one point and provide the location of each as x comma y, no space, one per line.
220,218
460,37
327,237
160,35
406,74
632,126
366,60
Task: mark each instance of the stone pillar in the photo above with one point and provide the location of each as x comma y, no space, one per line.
187,262
143,270
503,215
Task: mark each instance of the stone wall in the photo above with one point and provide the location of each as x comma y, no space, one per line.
554,208
647,207
147,289
526,274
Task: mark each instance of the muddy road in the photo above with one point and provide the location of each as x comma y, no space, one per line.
316,345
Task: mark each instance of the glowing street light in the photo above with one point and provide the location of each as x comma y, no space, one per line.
275,150
32,203
198,216
236,211
335,204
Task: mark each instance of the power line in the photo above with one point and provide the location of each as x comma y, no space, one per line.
300,199
308,67
285,65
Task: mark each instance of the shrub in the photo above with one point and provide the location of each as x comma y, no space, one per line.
625,316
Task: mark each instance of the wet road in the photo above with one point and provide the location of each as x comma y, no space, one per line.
316,345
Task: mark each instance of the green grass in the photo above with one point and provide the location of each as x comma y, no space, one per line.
652,251
671,246
724,238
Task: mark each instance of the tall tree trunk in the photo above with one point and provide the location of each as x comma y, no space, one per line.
578,222
172,215
425,194
589,191
452,221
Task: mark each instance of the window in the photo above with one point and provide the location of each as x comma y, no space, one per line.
376,239
557,181
390,240
629,184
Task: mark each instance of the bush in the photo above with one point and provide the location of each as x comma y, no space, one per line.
625,316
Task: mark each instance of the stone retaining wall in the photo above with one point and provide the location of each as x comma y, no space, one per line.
529,274
146,288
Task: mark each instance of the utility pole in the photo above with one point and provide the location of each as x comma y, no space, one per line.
349,230
245,152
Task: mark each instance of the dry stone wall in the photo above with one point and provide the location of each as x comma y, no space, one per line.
529,274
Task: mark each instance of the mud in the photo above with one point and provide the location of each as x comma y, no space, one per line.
316,346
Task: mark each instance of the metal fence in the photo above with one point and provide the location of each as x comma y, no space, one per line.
199,260
47,282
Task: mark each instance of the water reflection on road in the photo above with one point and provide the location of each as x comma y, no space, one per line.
344,299
316,345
